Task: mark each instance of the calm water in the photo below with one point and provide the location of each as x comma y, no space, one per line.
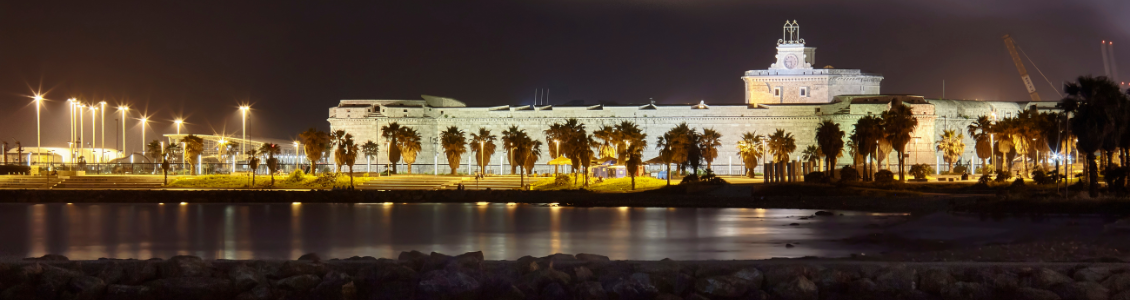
280,231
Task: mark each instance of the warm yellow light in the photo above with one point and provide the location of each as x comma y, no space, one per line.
162,203
123,108
482,203
179,121
103,103
511,203
68,203
38,98
387,203
296,203
244,108
554,204
184,203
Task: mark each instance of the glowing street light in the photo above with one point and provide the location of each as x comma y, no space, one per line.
93,129
178,122
38,141
71,139
143,121
102,157
123,109
243,111
296,157
81,127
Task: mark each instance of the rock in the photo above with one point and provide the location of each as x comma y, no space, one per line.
583,274
592,257
822,213
310,257
537,280
468,262
446,284
138,272
721,286
185,266
49,257
191,288
86,287
897,278
751,276
259,292
554,291
387,281
1043,278
244,278
799,288
934,280
834,280
528,264
1118,283
1122,225
1027,293
295,268
53,281
697,297
299,283
20,292
589,291
636,287
794,224
667,297
361,258
967,291
415,259
436,261
786,273
789,245
1081,291
112,273
863,288
561,257
333,286
683,283
1120,296
128,292
1093,274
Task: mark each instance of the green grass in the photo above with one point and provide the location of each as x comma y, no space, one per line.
262,182
615,185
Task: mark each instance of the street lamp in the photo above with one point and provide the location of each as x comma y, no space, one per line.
992,146
296,157
102,157
71,139
482,159
143,121
81,128
243,111
179,122
93,129
38,141
123,109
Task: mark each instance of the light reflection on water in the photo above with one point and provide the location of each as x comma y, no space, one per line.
281,231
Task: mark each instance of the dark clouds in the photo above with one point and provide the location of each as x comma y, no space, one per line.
293,60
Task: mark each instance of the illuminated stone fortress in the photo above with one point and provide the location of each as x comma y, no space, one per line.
791,95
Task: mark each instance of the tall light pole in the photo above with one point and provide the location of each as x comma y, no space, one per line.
102,158
992,147
178,122
296,157
81,128
93,130
143,121
555,167
243,111
71,139
482,159
123,109
38,141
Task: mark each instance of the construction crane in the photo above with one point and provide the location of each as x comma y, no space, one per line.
1020,67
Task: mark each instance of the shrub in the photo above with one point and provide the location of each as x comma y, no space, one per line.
1018,182
984,180
849,174
296,176
884,177
814,177
562,179
920,171
326,179
1041,177
1003,176
707,178
958,170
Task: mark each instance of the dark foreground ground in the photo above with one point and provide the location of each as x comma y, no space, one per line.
415,275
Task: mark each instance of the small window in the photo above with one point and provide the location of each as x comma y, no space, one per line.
777,91
405,110
818,110
804,91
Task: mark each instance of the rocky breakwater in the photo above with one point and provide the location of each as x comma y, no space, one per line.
416,275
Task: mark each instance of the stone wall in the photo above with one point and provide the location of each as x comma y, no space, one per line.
415,275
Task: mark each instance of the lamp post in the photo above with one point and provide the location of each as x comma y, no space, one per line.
102,157
388,157
179,122
123,109
71,139
38,141
435,156
558,144
93,130
992,146
81,128
296,157
243,111
143,121
482,159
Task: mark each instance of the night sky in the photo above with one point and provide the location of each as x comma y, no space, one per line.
292,60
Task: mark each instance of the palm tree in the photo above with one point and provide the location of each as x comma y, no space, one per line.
951,145
634,151
172,148
370,149
349,152
666,152
508,139
391,133
554,135
709,141
314,142
781,144
154,151
830,139
608,138
253,163
271,150
339,138
482,144
751,148
454,145
811,154
522,145
678,143
193,146
868,131
576,145
1094,101
409,143
533,157
980,130
898,123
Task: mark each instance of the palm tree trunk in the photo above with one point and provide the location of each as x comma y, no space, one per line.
633,174
669,174
1092,176
902,175
351,176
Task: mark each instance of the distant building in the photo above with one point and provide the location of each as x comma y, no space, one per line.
791,95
